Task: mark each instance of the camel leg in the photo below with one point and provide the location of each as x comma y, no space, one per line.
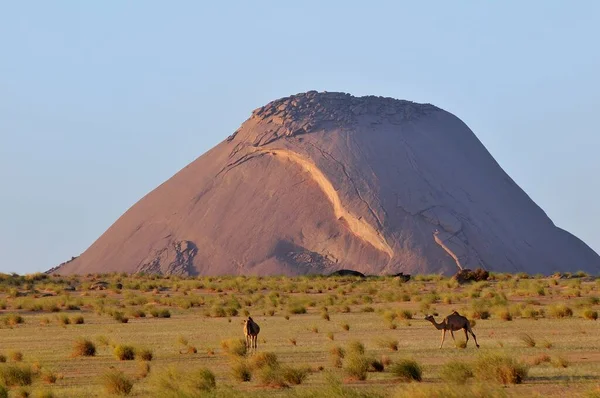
466,336
452,334
443,337
474,338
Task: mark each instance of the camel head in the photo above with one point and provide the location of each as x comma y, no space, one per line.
429,318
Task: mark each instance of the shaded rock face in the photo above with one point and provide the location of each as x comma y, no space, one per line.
318,182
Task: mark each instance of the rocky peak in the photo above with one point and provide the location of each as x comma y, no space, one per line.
305,112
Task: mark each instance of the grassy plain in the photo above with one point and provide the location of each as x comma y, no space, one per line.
179,325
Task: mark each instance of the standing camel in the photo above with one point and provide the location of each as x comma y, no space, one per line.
453,322
251,330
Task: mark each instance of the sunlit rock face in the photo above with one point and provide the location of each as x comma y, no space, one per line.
318,182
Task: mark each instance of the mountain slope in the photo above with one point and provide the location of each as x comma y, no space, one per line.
321,181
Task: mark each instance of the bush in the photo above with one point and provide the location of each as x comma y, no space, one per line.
540,359
116,382
337,353
262,359
202,380
450,391
456,372
356,347
560,311
77,320
145,354
356,366
174,382
3,391
241,371
13,320
124,352
590,314
143,369
163,313
560,362
2,358
16,356
407,370
527,339
467,275
236,347
297,309
272,377
500,368
504,314
392,344
84,348
16,375
49,377
293,375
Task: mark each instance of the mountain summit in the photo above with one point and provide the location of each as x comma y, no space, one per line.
317,182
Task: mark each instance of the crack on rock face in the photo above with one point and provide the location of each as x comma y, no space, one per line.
175,259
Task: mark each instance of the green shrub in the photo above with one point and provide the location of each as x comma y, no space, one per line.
500,368
145,354
241,371
294,375
202,379
116,382
296,309
436,391
272,377
337,353
392,344
356,346
356,366
124,352
590,314
3,391
13,320
407,370
560,311
560,362
16,356
16,375
236,347
49,377
456,372
43,394
84,348
262,359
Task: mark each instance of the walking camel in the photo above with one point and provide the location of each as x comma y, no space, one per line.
251,330
453,322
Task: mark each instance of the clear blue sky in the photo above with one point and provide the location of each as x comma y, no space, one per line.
102,101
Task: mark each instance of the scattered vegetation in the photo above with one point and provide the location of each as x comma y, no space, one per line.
407,370
117,383
84,348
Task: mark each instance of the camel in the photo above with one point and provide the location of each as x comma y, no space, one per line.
453,322
251,330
